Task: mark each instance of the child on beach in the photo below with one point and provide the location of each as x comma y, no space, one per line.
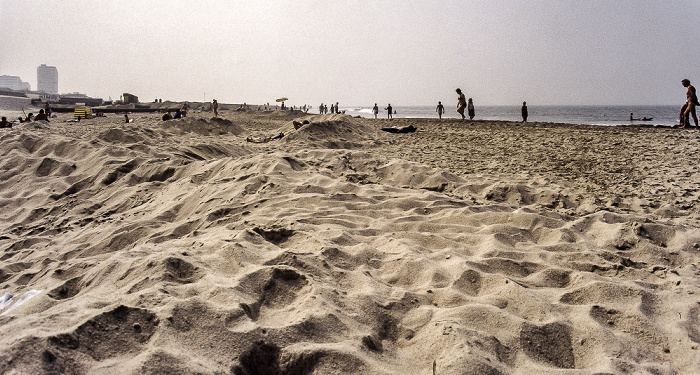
470,109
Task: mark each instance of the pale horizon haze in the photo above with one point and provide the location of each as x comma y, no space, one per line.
357,53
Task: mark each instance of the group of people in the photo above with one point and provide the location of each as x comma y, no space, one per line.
323,109
42,116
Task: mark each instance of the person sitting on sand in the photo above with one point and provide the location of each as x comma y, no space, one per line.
461,103
690,103
440,109
4,123
41,116
30,117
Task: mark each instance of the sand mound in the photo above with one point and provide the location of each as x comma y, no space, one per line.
141,251
214,126
333,131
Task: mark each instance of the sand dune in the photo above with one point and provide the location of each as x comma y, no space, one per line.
484,247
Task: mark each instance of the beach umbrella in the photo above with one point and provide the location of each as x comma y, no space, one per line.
282,99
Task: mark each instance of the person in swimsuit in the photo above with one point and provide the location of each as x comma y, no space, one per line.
689,106
461,103
440,109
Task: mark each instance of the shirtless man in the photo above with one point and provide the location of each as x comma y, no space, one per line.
461,103
440,109
689,106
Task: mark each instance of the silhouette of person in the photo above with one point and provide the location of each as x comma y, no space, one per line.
41,116
690,103
215,106
461,103
375,110
4,123
390,112
470,108
523,111
440,109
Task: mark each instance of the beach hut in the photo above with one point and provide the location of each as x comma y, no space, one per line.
82,112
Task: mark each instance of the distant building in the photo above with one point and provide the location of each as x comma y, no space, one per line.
14,83
129,98
79,99
47,79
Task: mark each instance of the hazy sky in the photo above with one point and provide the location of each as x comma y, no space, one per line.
359,52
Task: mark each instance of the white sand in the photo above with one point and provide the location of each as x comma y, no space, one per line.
485,247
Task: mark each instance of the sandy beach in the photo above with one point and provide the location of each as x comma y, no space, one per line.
476,247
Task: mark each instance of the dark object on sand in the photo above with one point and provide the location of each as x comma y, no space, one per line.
400,129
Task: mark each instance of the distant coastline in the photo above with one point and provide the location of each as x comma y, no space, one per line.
663,115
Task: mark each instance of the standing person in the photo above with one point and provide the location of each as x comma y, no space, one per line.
336,108
689,106
470,109
523,111
325,109
47,109
215,106
375,110
440,109
461,103
390,111
320,109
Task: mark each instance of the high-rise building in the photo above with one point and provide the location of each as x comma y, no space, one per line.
47,79
14,83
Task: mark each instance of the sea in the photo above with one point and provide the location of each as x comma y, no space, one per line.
659,115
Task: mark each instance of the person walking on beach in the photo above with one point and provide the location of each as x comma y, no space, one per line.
440,109
461,103
470,109
523,111
375,110
390,111
215,106
689,106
